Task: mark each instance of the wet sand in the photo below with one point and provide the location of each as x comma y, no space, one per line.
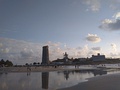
105,82
41,69
29,69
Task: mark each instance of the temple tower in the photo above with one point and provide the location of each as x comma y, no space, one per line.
45,55
65,57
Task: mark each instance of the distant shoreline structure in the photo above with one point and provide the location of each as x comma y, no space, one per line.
59,68
93,60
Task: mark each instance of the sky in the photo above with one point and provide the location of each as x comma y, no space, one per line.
79,27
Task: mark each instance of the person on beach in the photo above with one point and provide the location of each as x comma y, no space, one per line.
28,68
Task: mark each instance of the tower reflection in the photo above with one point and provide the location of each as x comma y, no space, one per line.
45,80
66,74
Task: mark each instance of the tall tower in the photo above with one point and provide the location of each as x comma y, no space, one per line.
45,55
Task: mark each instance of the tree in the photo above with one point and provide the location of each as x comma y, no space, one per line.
2,62
8,63
26,64
34,63
38,63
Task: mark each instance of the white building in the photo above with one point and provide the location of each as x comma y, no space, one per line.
98,57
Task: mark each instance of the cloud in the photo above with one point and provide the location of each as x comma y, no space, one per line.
79,48
111,24
88,52
21,52
26,53
115,5
53,44
93,38
96,48
93,5
84,51
116,15
113,55
78,51
6,50
114,47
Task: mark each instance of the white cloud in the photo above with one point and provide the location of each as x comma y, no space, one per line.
84,51
114,47
114,55
108,21
116,15
111,24
53,44
93,5
93,38
88,52
6,50
96,48
79,48
21,52
115,4
77,52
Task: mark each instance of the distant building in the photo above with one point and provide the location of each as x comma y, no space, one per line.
45,56
58,61
82,59
98,57
65,60
65,57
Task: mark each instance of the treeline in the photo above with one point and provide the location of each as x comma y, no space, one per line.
34,63
6,63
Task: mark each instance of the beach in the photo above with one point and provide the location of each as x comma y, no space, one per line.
105,82
28,69
45,68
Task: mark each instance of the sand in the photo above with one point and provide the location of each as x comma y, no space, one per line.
28,69
41,69
106,82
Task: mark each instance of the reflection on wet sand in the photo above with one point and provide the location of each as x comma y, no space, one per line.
45,75
99,72
28,73
94,72
45,80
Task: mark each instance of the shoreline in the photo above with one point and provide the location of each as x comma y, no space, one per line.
42,69
104,82
58,68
